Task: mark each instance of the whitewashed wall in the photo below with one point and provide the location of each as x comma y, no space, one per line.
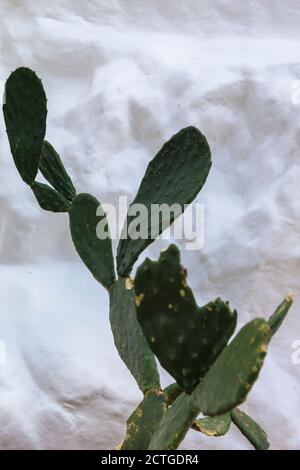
121,78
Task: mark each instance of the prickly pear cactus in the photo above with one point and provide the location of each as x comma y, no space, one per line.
230,378
25,113
175,424
251,430
157,315
53,170
185,338
85,214
229,374
215,426
49,199
276,320
174,176
128,337
144,421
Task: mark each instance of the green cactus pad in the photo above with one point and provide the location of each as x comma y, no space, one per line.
215,426
276,320
25,113
175,424
144,421
174,176
211,426
53,170
186,338
128,336
231,377
226,384
250,429
96,253
49,199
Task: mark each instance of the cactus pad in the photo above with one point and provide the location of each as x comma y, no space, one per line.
175,424
276,320
251,430
144,421
174,176
25,113
226,384
186,338
53,170
96,253
215,426
231,377
128,336
49,199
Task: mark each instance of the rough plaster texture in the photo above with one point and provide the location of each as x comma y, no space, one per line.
122,77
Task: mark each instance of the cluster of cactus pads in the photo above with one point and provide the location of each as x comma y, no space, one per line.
156,314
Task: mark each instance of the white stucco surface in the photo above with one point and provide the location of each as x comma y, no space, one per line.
122,77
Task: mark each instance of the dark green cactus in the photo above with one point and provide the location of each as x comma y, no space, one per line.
230,378
175,424
174,176
185,338
129,339
49,199
215,426
144,421
212,377
225,386
211,426
276,320
251,430
96,253
53,170
25,113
